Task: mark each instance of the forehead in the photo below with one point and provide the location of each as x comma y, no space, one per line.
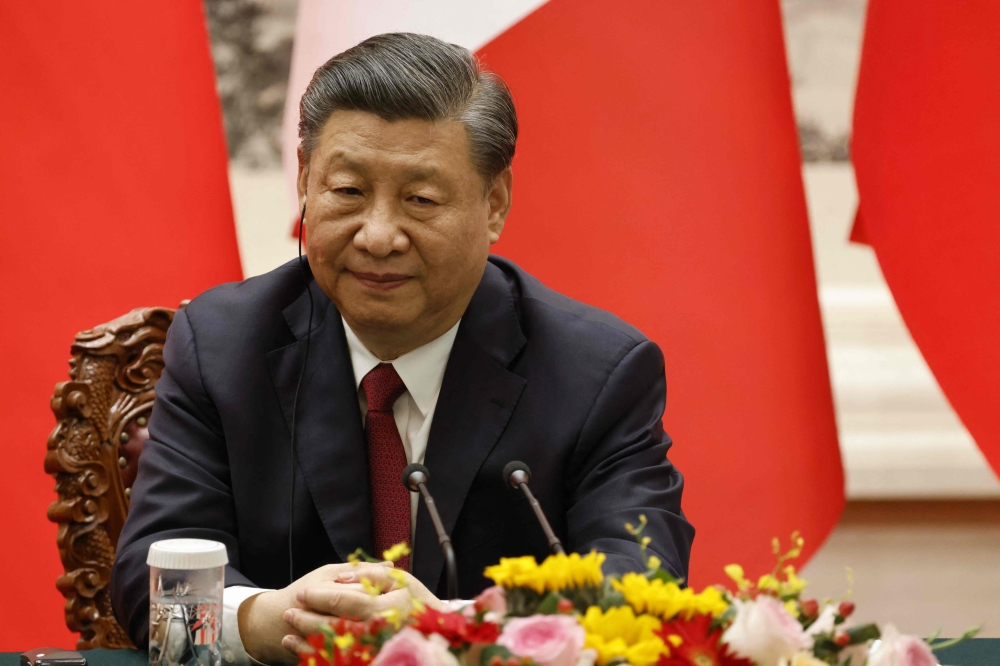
362,140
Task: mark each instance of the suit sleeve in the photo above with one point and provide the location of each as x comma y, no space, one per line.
620,470
183,486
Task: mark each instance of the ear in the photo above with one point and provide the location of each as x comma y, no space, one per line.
302,180
499,200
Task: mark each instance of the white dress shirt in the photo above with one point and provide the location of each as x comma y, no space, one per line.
422,371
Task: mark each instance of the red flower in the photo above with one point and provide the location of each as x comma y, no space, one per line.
700,646
455,627
486,632
358,653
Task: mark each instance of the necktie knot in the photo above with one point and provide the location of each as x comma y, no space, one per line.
382,387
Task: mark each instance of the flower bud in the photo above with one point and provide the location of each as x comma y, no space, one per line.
845,609
565,606
810,607
841,638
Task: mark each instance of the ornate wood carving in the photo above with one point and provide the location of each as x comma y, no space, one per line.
93,453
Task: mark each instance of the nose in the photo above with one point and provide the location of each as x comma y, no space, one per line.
381,234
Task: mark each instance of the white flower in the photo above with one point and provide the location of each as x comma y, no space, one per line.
855,653
587,658
825,622
803,659
764,632
896,649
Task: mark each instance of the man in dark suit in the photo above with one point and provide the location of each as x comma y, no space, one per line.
291,402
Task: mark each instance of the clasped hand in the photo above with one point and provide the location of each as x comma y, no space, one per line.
273,624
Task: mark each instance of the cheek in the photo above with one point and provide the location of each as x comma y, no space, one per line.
460,244
327,241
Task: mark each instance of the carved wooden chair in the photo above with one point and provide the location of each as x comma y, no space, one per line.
93,453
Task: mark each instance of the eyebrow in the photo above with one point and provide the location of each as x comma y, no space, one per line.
413,173
421,173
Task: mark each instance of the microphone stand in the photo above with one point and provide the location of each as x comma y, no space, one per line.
415,478
517,474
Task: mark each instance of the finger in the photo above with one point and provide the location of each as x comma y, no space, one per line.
306,622
346,573
296,645
357,587
380,575
338,600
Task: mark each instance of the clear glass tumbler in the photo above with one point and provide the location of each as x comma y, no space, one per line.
186,579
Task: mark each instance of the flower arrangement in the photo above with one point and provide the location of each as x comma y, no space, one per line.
566,612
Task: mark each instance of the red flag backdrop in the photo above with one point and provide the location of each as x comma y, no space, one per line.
926,151
658,176
113,195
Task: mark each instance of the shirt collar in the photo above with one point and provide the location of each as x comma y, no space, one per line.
422,370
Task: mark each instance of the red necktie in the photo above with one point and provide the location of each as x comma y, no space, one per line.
386,461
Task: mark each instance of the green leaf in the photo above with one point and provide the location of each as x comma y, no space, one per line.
665,576
969,633
866,632
550,604
494,650
522,601
612,599
724,619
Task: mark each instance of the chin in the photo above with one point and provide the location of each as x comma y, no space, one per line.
379,317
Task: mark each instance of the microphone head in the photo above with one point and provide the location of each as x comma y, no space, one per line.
414,475
515,473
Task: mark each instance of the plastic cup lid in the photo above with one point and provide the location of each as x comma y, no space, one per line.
187,554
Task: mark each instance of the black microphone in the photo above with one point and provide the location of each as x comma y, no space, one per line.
518,475
415,478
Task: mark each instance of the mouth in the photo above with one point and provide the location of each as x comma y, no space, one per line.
381,281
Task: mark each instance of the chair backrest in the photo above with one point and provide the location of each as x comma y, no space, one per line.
93,453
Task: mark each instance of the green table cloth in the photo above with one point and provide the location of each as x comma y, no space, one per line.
975,652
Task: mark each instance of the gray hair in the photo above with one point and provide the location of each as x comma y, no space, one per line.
404,75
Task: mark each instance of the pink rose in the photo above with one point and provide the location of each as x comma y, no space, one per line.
764,632
410,648
896,649
492,599
549,640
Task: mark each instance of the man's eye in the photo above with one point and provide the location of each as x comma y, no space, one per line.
421,200
349,191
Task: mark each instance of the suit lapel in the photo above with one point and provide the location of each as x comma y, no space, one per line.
477,397
330,443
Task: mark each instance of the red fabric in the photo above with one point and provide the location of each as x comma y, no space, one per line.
658,176
925,149
386,461
113,195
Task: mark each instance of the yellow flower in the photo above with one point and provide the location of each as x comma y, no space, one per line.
768,582
369,587
735,572
793,583
393,616
805,659
791,586
667,600
557,572
396,552
344,642
564,571
512,571
621,633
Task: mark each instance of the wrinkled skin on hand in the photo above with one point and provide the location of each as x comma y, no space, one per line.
273,624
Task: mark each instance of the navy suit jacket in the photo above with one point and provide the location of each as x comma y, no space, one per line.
571,390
